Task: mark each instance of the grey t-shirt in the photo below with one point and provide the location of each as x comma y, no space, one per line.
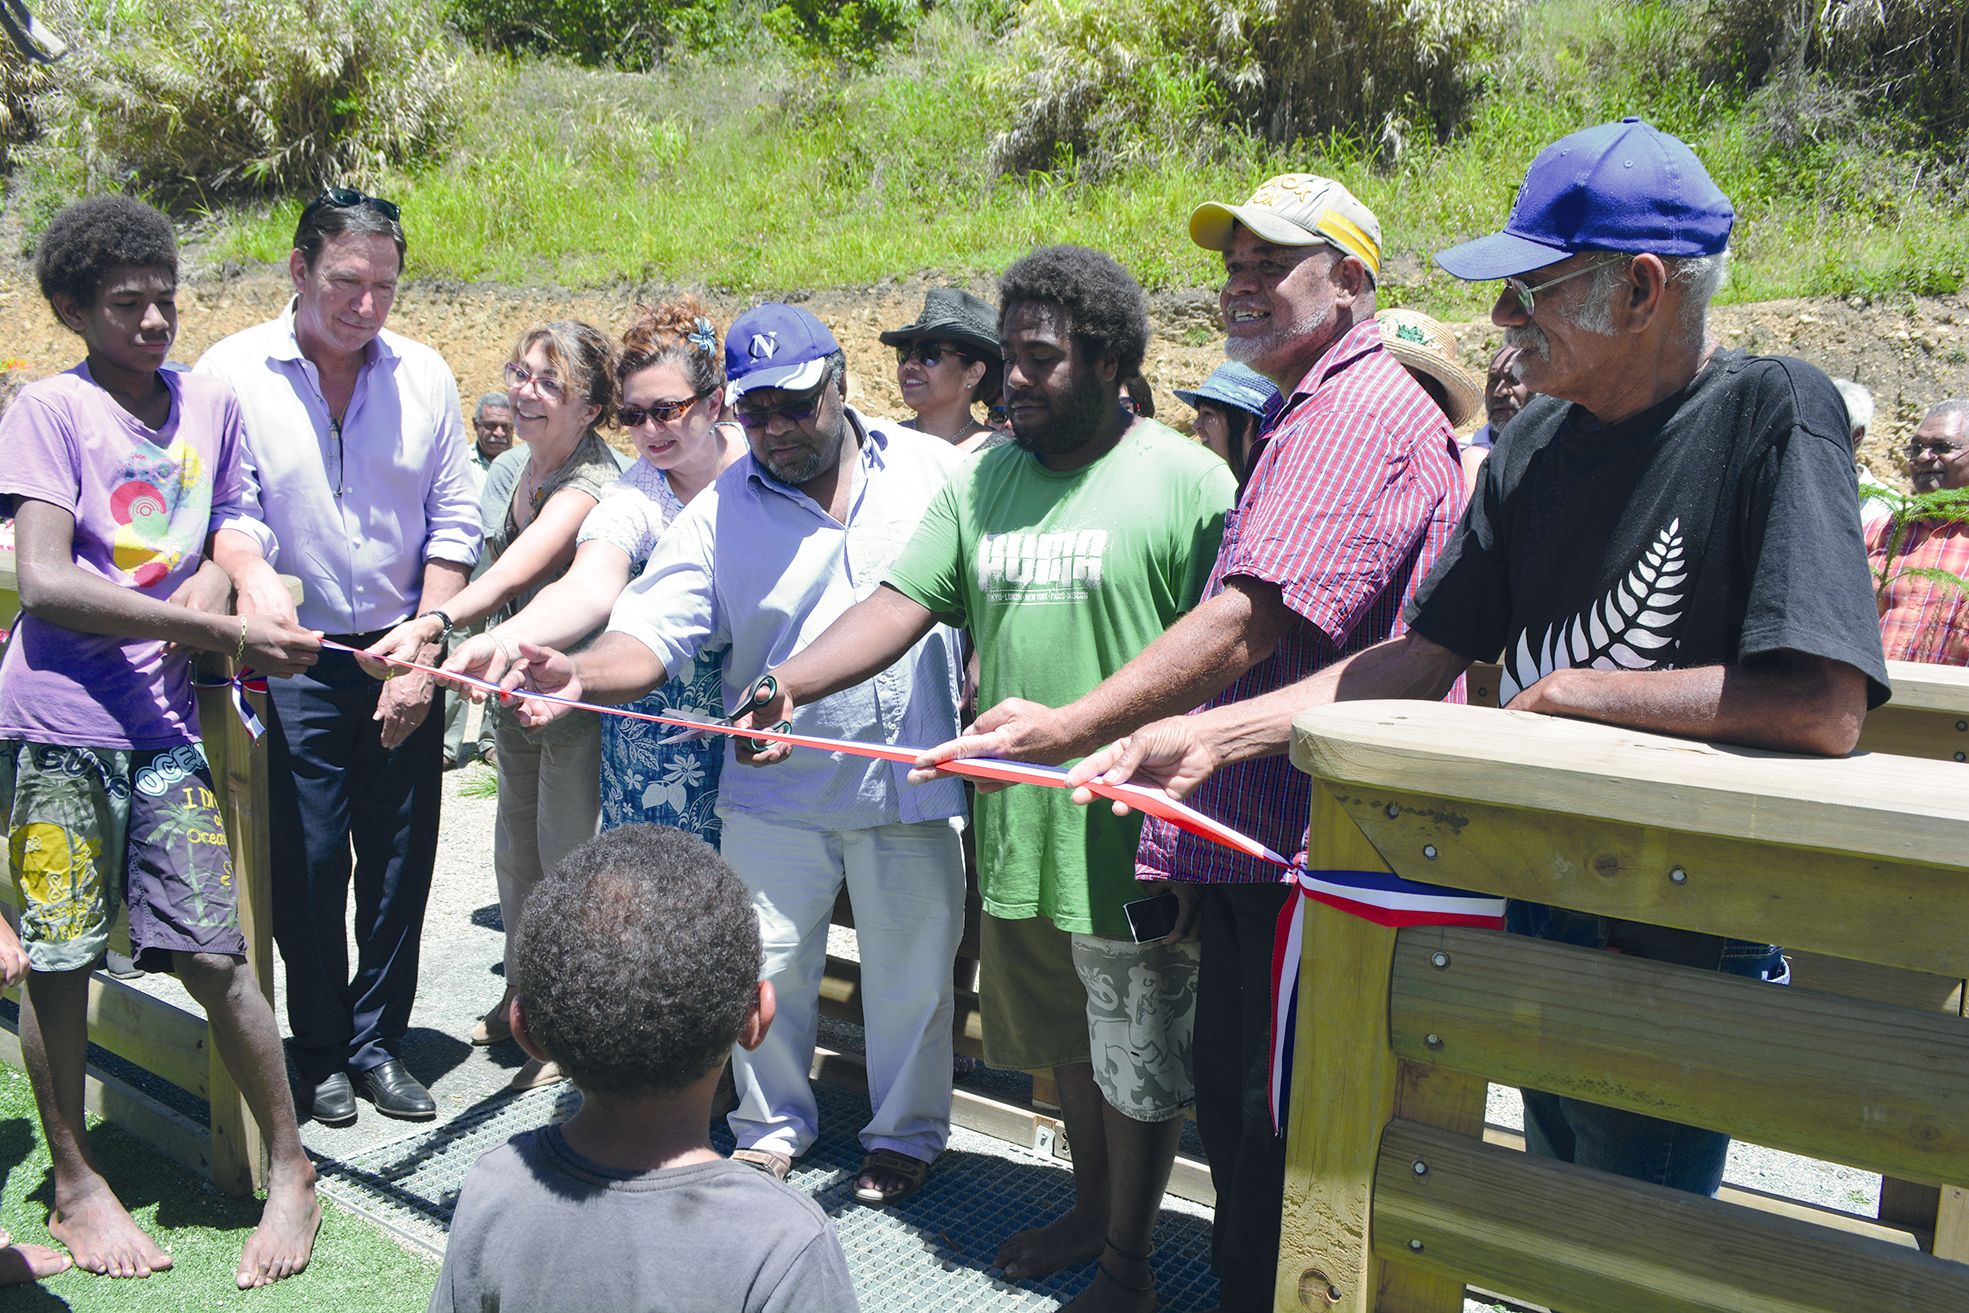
540,1228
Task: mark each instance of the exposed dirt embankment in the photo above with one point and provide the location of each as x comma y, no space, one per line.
1910,353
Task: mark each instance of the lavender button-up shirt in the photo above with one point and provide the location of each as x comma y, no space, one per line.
760,568
357,508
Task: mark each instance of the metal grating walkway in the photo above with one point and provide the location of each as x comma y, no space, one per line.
931,1252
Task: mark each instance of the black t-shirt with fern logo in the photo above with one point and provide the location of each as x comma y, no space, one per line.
1719,526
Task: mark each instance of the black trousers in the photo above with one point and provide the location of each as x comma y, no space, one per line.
347,810
1233,1087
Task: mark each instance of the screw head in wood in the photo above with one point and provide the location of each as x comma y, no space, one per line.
1419,1167
1393,811
1415,1246
1429,851
1432,1040
1678,876
1439,960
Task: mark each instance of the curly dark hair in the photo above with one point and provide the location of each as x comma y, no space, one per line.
677,331
91,237
638,960
1103,302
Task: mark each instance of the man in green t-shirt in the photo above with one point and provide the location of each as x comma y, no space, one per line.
1065,554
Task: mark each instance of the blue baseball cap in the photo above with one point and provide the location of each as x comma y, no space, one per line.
1232,384
1623,186
776,346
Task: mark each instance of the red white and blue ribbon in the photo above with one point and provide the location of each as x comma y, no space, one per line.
246,681
1378,896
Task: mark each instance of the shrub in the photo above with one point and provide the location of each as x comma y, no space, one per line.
203,98
849,35
1104,84
1910,56
625,33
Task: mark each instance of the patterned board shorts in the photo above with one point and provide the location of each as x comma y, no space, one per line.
89,828
1135,1027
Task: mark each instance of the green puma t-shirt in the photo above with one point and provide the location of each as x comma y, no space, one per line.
1062,577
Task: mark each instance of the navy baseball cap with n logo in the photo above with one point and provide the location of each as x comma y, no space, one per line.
1625,186
776,346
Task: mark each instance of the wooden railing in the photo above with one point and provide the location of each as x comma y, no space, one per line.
154,1034
1394,1199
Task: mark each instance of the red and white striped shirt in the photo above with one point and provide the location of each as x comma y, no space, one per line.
1356,494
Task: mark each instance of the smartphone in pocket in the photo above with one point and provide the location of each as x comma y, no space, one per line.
1151,918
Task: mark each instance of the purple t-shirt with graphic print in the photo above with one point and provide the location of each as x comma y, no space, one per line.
144,502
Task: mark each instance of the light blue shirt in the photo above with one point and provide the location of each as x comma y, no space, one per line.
759,567
357,512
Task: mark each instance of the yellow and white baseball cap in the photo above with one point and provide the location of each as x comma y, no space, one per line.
1295,209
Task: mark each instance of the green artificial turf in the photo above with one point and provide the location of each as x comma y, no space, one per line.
355,1265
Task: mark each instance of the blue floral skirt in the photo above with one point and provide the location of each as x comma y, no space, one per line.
644,780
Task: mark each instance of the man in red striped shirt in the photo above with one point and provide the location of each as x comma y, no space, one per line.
1923,618
1356,493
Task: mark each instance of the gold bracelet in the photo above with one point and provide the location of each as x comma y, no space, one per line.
240,655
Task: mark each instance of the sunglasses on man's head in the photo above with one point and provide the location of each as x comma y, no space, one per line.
348,198
930,354
660,412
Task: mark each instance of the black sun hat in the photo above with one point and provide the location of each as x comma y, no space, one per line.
951,314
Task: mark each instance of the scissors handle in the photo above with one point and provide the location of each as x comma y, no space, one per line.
764,690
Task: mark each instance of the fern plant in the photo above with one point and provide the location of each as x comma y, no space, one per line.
1944,505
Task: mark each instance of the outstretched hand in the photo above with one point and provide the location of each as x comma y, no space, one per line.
279,647
766,714
540,670
482,656
1014,730
1167,755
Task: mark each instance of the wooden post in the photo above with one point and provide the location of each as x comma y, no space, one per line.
1347,1085
239,771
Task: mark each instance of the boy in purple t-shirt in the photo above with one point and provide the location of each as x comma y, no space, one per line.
131,526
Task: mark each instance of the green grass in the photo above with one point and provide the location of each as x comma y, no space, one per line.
741,174
355,1266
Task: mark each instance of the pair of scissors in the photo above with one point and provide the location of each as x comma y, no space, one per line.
765,690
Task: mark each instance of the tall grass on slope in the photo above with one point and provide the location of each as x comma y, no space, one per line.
747,174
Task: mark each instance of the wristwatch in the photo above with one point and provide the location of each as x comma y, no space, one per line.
444,633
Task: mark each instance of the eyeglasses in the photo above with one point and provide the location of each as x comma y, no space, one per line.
347,198
661,412
1939,448
797,411
518,376
1524,291
929,354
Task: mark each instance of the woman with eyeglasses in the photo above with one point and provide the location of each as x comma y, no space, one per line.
672,374
561,381
947,364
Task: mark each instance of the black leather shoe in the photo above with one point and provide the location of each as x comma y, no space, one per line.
333,1102
397,1093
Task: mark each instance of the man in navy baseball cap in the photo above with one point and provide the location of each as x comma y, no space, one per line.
777,346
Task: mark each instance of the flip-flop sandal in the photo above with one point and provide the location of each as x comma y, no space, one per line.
888,1162
777,1165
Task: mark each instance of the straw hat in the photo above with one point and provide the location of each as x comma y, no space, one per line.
1423,344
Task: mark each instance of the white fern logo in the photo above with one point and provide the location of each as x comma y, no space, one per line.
1628,629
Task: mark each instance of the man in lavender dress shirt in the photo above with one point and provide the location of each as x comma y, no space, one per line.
357,441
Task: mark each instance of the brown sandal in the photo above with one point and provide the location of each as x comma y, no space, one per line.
777,1165
912,1172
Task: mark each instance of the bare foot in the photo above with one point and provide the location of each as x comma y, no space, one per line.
104,1239
1066,1241
20,1264
284,1241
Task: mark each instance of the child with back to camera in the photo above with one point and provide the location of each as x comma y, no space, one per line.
637,973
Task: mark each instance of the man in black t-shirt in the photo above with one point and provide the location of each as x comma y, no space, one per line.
1666,538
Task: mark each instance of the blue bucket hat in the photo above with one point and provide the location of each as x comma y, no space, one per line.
1623,186
776,346
1239,386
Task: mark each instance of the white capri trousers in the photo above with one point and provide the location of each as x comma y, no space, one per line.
550,803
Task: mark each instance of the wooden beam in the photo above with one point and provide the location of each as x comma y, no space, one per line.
1895,913
1876,807
1346,1084
1563,1236
161,1128
153,1033
1869,1084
